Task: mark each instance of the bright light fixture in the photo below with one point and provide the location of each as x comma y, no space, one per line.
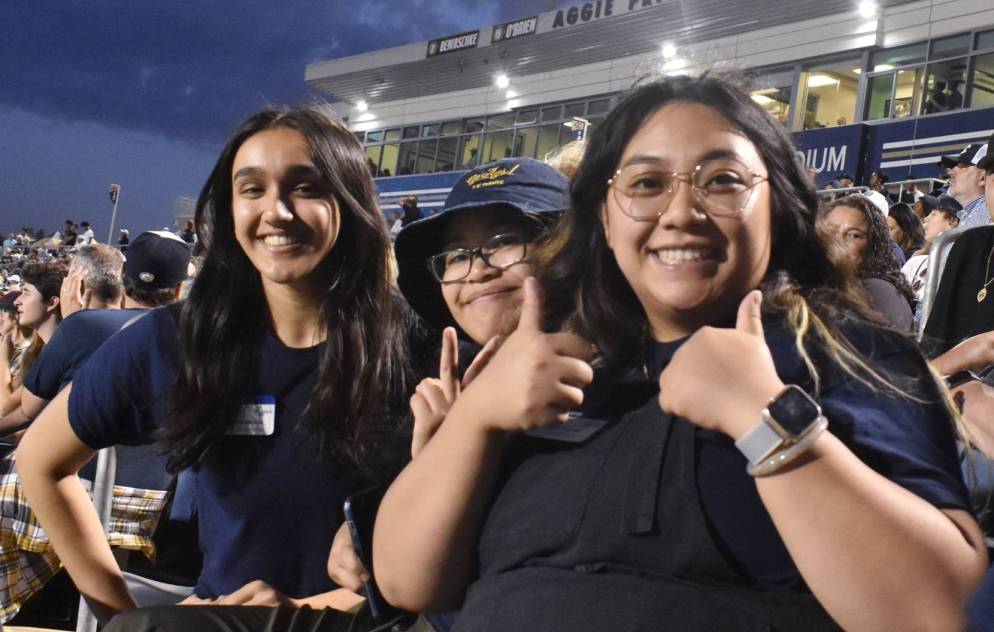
857,71
882,67
669,50
762,99
820,81
361,105
502,81
867,9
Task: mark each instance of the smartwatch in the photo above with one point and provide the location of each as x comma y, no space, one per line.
786,419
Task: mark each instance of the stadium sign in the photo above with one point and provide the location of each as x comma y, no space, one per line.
518,28
581,13
450,44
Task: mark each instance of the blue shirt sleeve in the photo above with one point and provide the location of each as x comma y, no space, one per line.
909,437
44,378
119,395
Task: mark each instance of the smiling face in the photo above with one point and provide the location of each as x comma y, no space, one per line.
688,268
852,229
482,302
286,217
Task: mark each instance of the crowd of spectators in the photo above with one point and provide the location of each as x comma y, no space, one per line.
676,388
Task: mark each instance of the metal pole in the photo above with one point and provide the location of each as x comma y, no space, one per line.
115,191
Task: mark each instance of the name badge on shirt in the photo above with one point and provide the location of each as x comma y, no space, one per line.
256,419
577,429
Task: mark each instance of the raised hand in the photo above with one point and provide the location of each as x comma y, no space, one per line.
722,379
434,396
535,378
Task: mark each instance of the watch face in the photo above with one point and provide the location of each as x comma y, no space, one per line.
794,410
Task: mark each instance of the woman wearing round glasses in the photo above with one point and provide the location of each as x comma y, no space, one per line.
742,459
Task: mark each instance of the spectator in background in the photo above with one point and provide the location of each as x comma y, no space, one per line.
862,230
925,205
69,234
38,310
966,184
878,180
14,341
123,240
189,235
93,281
411,212
86,237
915,270
964,303
905,228
846,181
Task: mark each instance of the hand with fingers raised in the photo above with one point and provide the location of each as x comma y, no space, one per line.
535,378
721,379
434,396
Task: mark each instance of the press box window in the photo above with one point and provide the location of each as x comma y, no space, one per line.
830,94
982,81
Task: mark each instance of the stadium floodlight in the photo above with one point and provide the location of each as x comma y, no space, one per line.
867,8
502,81
669,50
361,105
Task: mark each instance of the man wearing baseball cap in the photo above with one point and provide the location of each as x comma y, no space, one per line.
966,184
964,303
154,270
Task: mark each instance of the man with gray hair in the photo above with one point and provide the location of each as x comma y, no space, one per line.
94,280
155,268
966,184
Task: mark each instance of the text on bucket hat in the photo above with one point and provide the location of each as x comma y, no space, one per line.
523,185
157,260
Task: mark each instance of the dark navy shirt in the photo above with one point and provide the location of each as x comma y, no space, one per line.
267,506
911,443
75,339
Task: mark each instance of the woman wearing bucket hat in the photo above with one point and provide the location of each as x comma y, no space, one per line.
465,267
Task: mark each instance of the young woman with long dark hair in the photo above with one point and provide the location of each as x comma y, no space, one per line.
754,451
274,382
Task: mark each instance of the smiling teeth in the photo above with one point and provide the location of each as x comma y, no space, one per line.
277,240
679,255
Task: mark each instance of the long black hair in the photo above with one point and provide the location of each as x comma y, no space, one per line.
363,365
588,292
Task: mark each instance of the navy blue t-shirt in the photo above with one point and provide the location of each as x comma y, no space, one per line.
75,339
268,506
911,443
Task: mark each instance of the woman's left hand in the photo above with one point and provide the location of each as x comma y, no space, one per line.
721,379
257,593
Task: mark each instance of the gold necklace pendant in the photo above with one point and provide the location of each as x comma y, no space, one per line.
981,295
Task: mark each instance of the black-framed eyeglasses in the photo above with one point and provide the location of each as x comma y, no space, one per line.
500,251
722,186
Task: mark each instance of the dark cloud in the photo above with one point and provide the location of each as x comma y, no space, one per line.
190,71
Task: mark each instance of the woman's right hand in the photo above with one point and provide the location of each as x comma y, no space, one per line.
434,396
534,379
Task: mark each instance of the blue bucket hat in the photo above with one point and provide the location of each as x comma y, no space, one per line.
522,185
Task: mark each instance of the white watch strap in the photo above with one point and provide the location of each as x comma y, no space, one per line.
759,442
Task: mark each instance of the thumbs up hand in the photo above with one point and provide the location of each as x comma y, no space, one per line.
721,379
534,379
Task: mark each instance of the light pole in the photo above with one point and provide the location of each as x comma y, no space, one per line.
115,196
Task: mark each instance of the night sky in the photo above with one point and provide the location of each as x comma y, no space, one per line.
145,93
